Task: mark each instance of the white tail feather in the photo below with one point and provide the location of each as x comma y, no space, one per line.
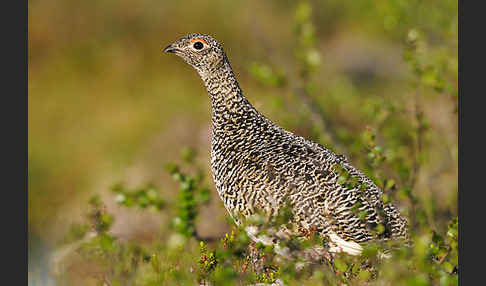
340,245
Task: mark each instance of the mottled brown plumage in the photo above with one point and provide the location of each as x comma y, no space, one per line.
257,165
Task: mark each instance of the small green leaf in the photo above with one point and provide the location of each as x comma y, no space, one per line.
340,265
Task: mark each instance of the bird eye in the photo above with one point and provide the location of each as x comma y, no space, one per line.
198,45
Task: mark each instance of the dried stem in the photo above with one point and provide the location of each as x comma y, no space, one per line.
417,150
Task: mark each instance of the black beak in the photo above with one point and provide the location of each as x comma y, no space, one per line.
170,49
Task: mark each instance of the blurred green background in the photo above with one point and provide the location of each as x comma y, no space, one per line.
106,105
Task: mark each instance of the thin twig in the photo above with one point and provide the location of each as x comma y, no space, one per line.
417,150
419,142
319,118
444,257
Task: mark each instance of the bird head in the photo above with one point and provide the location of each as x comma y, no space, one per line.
201,51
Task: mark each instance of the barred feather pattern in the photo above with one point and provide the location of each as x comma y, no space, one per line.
258,166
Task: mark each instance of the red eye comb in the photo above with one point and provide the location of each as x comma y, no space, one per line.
200,40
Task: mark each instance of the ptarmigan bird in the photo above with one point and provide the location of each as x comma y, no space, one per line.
257,165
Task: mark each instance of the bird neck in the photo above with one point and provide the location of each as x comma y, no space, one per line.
227,100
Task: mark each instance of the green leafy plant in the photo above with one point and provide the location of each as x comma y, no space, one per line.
192,194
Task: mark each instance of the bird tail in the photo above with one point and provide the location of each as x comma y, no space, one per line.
398,224
338,245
